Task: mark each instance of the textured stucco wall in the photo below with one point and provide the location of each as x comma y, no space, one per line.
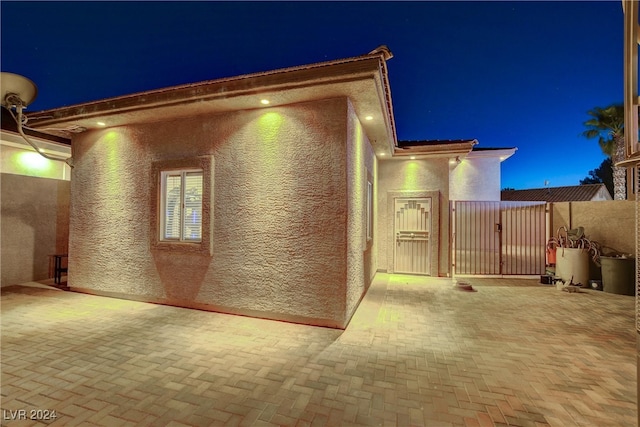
476,179
279,221
35,224
609,222
414,178
360,251
27,162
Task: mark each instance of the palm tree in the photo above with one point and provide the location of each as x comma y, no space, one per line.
607,124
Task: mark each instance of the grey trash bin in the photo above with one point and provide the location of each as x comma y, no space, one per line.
618,275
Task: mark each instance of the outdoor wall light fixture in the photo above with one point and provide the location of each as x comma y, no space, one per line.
264,101
101,124
412,157
368,118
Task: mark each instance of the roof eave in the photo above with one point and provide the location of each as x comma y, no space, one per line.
436,150
10,126
503,153
340,74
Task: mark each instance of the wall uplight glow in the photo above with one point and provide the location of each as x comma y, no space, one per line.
368,118
102,124
269,126
31,160
112,143
411,176
264,101
19,161
268,131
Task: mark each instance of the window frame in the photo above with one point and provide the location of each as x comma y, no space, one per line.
159,170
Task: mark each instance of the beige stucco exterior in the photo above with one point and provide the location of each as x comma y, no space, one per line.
419,178
287,222
476,176
34,202
287,158
476,179
611,222
361,252
35,225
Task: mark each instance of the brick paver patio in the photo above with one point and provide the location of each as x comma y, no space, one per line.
417,352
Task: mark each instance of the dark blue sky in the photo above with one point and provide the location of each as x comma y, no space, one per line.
510,74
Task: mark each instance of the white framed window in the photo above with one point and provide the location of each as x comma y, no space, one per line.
181,208
181,205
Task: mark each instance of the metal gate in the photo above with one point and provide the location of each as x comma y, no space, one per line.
412,226
499,238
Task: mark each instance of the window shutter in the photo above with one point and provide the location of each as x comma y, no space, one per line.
172,209
192,206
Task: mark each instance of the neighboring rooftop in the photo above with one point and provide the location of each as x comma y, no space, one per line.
574,193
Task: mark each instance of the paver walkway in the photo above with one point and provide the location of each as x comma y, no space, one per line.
417,352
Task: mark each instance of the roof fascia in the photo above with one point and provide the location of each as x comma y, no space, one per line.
282,79
437,150
10,126
502,154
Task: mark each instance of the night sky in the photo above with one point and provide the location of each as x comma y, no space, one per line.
510,74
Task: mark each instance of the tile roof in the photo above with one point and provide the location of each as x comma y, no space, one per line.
575,193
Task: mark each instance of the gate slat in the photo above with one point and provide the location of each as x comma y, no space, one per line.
518,249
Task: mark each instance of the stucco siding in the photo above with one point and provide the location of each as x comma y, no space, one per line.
35,224
360,169
476,179
610,222
279,213
414,178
